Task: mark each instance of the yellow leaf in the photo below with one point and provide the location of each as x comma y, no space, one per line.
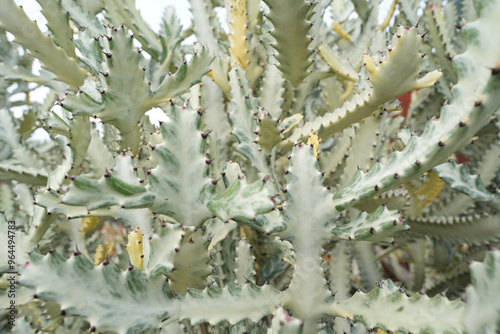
102,251
89,224
134,248
342,33
238,23
314,141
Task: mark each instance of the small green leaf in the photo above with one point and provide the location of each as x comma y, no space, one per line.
459,178
379,226
188,75
241,201
123,187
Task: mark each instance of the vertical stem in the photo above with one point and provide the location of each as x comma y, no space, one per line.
308,289
38,231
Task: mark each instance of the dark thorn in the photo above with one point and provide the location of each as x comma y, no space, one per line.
76,252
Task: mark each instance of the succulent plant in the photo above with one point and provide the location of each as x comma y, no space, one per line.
287,189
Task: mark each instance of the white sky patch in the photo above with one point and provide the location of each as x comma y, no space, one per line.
36,67
98,125
222,16
18,112
327,15
39,135
33,10
384,7
12,88
57,109
152,11
156,115
9,36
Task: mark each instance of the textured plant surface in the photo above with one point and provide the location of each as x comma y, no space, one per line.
284,193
